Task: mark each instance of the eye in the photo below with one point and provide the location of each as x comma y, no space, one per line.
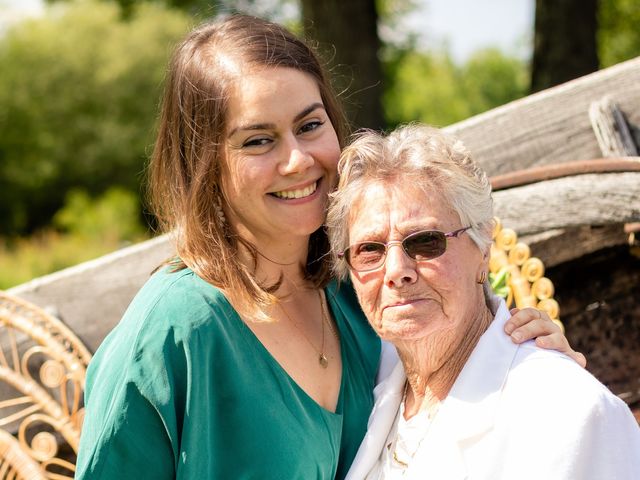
257,142
425,245
368,252
311,126
369,247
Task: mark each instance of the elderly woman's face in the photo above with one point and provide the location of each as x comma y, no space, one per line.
406,299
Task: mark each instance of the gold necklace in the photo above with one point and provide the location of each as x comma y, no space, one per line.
325,316
322,358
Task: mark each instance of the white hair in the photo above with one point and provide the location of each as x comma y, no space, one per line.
422,155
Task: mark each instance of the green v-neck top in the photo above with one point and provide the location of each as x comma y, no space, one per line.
182,388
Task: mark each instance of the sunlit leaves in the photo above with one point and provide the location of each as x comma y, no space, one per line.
429,87
78,101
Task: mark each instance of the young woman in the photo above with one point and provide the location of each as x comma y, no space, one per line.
241,359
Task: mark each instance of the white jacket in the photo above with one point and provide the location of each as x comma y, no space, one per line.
515,412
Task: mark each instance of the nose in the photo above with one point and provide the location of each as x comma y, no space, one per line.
298,159
400,269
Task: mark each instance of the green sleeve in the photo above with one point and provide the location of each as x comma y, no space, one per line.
135,396
131,442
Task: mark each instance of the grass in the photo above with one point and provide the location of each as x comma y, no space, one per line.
85,228
23,259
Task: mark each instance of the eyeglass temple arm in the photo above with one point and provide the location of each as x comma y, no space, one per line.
455,233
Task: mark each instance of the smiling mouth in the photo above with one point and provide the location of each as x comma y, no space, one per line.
293,194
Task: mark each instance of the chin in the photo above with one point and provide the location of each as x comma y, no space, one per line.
406,329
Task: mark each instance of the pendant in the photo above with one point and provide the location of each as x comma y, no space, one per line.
322,359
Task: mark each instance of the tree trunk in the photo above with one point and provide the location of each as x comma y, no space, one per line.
347,34
564,41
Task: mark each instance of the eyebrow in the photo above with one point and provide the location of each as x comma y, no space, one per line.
268,126
403,228
370,236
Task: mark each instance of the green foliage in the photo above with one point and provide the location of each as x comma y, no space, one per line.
90,228
78,99
500,282
619,32
424,87
128,7
202,9
490,79
429,87
114,215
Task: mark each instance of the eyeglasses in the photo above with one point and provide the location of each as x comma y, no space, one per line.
419,246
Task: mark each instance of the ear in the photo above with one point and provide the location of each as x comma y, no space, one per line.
483,266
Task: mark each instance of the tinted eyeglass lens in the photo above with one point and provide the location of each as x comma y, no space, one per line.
367,255
425,245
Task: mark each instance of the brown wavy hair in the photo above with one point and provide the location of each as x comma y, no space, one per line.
185,168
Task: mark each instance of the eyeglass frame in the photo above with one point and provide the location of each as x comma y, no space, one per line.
454,234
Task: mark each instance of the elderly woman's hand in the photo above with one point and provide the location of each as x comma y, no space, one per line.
531,323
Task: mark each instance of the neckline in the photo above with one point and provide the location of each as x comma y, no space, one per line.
253,339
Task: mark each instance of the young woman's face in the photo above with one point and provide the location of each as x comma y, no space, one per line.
280,156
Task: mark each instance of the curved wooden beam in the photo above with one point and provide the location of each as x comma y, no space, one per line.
550,172
589,199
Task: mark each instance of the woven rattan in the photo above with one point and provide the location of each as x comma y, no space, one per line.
42,372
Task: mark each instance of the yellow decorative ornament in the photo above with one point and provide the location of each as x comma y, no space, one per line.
517,276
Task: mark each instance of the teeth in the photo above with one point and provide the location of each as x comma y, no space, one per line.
290,194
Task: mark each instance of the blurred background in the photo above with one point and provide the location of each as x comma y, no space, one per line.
80,82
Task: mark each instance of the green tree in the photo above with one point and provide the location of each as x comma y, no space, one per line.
193,7
85,228
114,216
619,31
490,79
78,102
429,87
422,87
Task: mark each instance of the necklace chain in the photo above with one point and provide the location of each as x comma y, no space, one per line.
322,358
325,316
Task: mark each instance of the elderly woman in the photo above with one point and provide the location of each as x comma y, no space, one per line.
411,222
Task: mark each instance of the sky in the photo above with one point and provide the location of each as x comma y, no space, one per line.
466,25
14,9
462,25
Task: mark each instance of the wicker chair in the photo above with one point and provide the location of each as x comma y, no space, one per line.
42,372
15,462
